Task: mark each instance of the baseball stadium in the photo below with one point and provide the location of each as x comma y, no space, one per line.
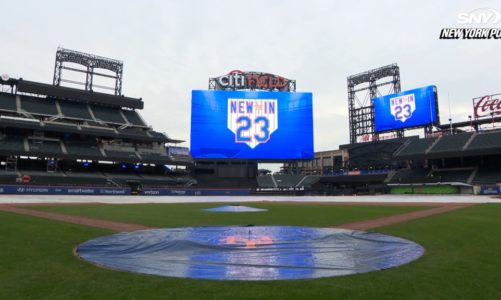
95,203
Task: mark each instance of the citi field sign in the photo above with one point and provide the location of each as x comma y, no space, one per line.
240,80
486,106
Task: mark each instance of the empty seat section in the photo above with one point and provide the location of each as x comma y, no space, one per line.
91,178
265,181
7,102
47,178
138,132
39,106
485,140
112,154
12,143
159,180
309,180
96,130
416,175
155,157
487,175
83,149
8,177
47,147
285,181
123,178
452,175
133,117
75,110
108,114
417,146
448,143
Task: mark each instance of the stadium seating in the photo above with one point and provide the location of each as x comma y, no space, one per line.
73,128
121,154
40,106
75,110
416,147
309,180
151,180
413,175
487,175
373,154
89,178
46,147
8,177
134,131
266,181
46,178
108,114
451,143
7,102
12,143
287,181
452,175
483,141
123,179
133,117
82,149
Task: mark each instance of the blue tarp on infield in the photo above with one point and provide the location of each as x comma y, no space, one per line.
249,253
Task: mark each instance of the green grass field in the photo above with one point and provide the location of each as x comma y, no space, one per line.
177,215
462,259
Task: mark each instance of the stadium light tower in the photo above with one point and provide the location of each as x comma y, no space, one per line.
361,110
90,62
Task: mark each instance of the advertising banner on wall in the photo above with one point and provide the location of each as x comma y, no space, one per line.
487,106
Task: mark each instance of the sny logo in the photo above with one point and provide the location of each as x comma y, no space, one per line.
402,107
480,16
252,120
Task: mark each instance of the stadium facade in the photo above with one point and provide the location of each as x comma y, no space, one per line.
61,139
54,135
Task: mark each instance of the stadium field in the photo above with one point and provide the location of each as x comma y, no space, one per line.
462,258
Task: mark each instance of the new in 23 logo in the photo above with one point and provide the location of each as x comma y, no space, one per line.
252,120
402,107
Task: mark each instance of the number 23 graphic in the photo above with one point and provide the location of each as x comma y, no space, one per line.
245,124
406,110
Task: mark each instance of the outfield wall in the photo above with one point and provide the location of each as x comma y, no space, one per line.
62,190
194,192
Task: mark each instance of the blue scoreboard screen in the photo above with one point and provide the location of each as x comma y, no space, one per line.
251,125
413,108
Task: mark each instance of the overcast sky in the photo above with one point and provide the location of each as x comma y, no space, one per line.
172,47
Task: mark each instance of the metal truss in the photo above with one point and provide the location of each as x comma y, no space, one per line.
90,62
361,111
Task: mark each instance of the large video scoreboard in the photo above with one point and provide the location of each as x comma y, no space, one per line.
251,125
408,109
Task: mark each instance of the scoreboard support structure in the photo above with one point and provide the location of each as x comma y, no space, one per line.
361,110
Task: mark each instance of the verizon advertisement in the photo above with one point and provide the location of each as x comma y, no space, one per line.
487,106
